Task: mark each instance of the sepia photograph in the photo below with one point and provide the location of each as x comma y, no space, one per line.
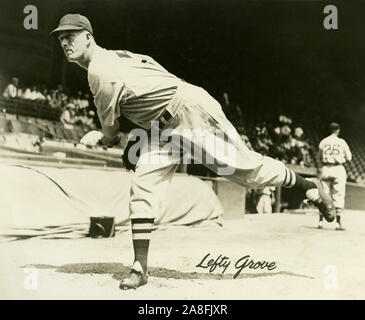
182,150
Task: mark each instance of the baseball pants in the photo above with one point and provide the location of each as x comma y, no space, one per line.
335,182
264,204
198,129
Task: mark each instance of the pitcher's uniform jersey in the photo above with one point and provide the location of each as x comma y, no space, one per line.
128,83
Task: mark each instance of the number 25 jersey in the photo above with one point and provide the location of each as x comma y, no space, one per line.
334,150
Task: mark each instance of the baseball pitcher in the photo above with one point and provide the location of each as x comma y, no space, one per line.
147,94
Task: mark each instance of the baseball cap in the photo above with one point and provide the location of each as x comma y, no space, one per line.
73,22
334,126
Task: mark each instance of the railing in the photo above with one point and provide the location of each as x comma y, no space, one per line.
27,108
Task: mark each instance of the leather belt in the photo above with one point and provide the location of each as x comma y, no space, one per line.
162,121
164,118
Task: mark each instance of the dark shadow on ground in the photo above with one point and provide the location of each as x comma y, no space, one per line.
119,272
323,229
17,237
50,232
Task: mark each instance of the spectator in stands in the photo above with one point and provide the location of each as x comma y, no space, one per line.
64,99
262,142
68,117
91,122
39,96
44,93
85,119
34,94
21,92
85,101
79,100
62,96
49,97
28,94
301,148
71,103
286,148
11,91
298,132
79,116
285,130
54,100
284,120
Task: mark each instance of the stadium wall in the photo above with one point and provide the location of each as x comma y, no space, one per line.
355,197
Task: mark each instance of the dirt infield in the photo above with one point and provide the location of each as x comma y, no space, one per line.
306,263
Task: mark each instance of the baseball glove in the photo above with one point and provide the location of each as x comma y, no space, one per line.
130,161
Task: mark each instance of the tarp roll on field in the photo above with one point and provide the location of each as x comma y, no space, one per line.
35,197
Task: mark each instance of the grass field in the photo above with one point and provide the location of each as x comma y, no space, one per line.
310,263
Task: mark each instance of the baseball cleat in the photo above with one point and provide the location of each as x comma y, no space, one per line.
320,225
324,203
137,278
339,227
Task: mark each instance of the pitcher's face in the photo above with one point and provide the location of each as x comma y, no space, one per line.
74,44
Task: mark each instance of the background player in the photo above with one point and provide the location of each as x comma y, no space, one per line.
334,152
144,92
265,200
